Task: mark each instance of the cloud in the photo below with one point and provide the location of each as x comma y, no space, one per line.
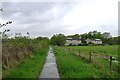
33,17
48,18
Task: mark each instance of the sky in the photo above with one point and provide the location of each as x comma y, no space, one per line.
41,18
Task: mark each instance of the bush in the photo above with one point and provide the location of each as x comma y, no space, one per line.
14,50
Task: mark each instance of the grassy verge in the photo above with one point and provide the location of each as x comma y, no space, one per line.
70,66
29,67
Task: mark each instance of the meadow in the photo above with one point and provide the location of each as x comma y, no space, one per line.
71,65
109,50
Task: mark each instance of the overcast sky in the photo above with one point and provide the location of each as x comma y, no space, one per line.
48,18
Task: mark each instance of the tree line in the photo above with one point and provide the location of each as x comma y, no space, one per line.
60,39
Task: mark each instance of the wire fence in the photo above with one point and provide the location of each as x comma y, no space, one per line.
102,59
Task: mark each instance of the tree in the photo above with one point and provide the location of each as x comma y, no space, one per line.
58,39
84,37
76,36
53,40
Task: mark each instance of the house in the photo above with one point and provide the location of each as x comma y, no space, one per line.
94,41
71,41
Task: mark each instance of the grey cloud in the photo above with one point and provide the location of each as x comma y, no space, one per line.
31,7
39,19
25,7
26,11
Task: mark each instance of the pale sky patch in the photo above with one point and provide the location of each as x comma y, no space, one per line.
48,18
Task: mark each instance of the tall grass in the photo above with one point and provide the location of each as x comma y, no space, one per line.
14,50
23,57
100,55
28,68
70,66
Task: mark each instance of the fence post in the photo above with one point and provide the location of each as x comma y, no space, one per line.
90,56
110,62
79,52
73,50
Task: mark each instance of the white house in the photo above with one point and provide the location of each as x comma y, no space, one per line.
71,41
95,41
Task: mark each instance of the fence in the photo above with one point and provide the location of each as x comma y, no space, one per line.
89,56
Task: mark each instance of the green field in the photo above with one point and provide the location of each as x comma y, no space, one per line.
73,66
110,50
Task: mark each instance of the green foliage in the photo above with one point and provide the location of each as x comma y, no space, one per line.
91,35
59,40
17,48
99,35
21,54
76,36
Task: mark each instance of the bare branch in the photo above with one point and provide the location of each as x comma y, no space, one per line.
1,9
9,22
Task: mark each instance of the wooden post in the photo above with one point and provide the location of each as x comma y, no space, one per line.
90,56
79,52
110,62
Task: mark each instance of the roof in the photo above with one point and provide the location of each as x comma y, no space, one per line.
93,39
69,38
97,39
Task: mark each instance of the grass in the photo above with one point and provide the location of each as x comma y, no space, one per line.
98,51
71,66
110,50
29,67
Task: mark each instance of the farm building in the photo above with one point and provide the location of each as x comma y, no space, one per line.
71,41
94,41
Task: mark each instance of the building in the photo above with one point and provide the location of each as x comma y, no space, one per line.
71,41
94,41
